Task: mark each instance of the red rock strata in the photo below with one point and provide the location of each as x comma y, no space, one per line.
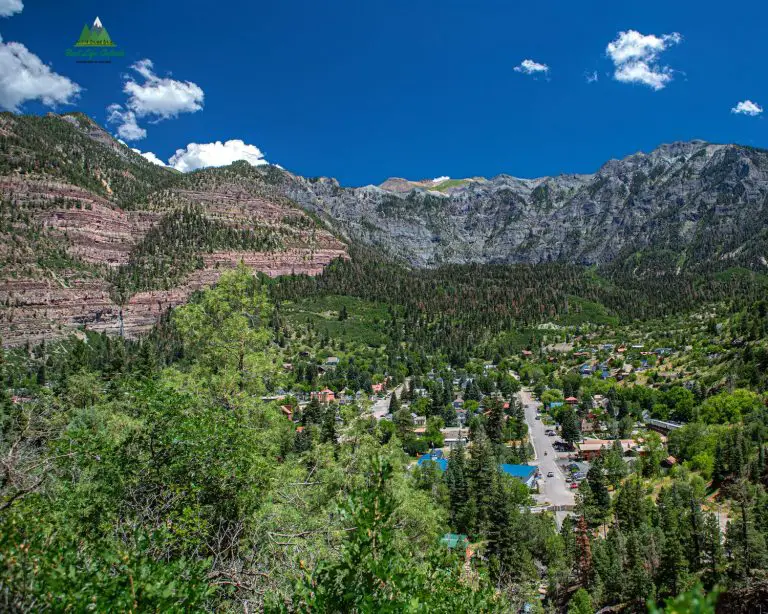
37,303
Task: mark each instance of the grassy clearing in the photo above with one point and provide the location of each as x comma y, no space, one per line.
366,321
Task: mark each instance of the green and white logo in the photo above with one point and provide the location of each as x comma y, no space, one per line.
95,46
95,37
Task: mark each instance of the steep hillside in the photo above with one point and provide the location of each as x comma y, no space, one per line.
92,234
683,205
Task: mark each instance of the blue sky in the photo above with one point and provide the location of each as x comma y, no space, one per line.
363,91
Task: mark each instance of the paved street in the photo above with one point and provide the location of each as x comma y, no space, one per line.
380,407
555,491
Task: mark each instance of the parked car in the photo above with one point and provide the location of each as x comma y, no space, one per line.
538,417
551,474
569,479
574,484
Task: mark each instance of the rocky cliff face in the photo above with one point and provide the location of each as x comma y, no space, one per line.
682,204
92,234
90,247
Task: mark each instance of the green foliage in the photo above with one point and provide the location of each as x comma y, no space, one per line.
373,575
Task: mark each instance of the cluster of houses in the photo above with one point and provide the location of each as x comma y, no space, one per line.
608,361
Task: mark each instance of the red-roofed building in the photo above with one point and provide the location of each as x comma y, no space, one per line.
377,388
572,400
324,396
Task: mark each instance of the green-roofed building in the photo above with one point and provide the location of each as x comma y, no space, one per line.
454,540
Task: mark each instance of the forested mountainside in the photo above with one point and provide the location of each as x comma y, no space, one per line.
95,235
694,205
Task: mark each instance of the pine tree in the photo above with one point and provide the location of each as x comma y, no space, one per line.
328,432
495,422
482,468
313,412
569,426
458,489
583,553
394,403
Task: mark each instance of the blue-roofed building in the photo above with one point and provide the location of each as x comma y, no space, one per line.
525,473
442,463
554,404
605,375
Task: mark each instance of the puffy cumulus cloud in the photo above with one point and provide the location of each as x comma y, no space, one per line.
440,179
127,127
10,7
24,77
635,58
201,155
156,98
529,67
148,155
160,97
747,107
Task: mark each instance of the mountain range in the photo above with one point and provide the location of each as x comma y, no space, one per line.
95,235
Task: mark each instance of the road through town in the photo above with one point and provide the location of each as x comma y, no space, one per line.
554,490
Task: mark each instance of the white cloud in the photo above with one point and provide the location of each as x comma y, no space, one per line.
148,155
635,58
747,107
24,77
591,77
161,98
127,127
201,155
440,179
156,98
529,67
10,7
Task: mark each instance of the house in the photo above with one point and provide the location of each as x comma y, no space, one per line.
527,353
585,369
377,388
525,473
287,366
662,426
455,435
555,404
287,411
571,400
332,361
442,463
587,424
419,420
589,448
324,396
